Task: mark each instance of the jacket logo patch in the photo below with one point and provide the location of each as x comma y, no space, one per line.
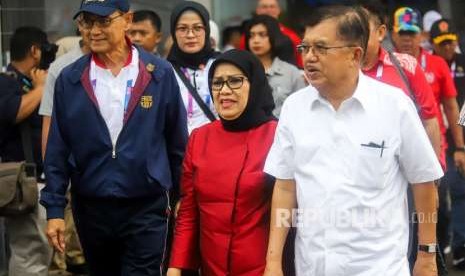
146,102
150,67
429,77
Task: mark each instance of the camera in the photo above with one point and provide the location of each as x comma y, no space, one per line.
48,54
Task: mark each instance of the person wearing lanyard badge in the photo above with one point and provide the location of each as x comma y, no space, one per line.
118,132
444,39
406,38
191,56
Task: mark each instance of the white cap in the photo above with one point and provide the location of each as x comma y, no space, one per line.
429,18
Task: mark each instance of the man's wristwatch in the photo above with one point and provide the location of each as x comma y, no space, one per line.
428,248
461,149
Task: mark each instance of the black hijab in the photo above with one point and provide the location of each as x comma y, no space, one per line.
281,45
260,103
176,55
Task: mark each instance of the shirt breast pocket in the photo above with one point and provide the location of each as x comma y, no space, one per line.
372,167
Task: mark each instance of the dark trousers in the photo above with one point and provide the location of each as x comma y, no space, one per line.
456,185
122,236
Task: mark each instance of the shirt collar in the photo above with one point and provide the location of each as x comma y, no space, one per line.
423,52
362,91
380,60
382,54
102,64
361,94
18,74
275,68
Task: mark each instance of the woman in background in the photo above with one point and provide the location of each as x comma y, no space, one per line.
191,56
265,40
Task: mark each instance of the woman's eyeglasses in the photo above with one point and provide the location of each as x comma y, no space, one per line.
197,30
233,82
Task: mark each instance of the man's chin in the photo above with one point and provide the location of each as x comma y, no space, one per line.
316,82
99,49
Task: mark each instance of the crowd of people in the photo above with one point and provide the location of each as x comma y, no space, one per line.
337,152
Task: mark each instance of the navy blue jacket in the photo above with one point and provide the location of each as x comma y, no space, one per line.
148,154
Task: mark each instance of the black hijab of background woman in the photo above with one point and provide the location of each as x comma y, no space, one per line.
260,103
176,56
281,45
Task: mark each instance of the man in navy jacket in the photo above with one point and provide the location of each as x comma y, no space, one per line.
118,132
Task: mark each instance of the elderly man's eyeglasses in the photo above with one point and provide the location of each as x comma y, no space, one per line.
319,50
88,21
233,82
197,30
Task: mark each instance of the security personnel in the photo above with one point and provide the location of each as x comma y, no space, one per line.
20,95
118,132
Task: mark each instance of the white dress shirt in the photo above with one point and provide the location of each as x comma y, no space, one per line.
352,167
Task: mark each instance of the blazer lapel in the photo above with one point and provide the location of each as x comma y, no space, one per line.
143,79
85,81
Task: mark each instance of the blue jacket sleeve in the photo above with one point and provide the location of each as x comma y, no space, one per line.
56,163
175,131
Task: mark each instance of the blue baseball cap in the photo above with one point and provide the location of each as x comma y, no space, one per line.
103,7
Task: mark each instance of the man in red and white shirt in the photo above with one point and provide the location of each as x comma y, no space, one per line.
406,37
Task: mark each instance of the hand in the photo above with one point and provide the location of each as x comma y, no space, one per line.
38,77
174,272
176,208
273,269
56,234
425,265
459,161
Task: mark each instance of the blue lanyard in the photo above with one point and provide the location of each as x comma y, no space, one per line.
127,96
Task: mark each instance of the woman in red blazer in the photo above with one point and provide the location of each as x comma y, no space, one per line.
223,221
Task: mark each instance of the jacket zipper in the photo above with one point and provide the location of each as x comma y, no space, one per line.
113,146
113,150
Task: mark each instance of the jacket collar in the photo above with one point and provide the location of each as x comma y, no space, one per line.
147,59
148,66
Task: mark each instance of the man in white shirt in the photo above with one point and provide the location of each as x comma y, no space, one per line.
344,152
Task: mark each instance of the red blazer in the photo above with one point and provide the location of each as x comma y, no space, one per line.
223,221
